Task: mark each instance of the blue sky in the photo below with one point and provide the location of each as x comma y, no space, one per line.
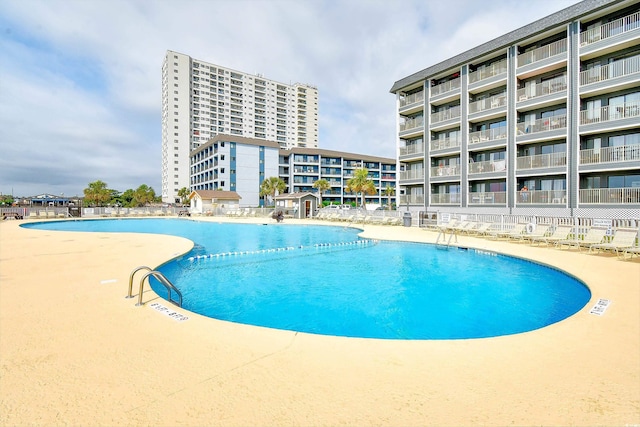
80,80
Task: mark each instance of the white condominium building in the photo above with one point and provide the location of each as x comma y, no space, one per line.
201,100
544,120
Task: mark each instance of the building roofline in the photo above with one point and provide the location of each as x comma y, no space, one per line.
332,153
561,17
236,139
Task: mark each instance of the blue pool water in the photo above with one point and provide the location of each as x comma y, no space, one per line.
325,280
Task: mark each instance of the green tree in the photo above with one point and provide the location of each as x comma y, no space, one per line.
321,185
6,200
184,193
126,198
97,194
143,195
271,186
361,184
389,191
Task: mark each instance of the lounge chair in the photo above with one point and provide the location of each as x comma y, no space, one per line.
541,231
594,236
634,250
516,231
561,232
463,227
480,229
624,238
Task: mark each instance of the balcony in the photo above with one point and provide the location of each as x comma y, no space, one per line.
542,125
496,101
449,114
611,113
623,73
444,143
412,124
488,135
488,198
446,199
411,199
487,167
414,98
495,69
610,196
449,170
551,160
412,150
542,197
623,153
445,87
557,85
412,175
548,51
619,27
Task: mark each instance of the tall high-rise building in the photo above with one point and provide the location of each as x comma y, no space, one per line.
201,100
544,120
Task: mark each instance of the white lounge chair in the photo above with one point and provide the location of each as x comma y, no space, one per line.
594,236
541,230
624,238
514,232
561,232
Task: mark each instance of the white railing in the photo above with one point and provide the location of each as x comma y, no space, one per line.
610,195
412,149
543,52
487,167
411,99
622,153
445,87
441,116
620,68
559,84
610,29
488,103
411,174
445,198
610,113
488,135
494,69
412,123
488,198
412,199
441,144
542,125
542,197
541,161
449,170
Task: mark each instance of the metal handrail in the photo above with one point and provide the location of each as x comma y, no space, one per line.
142,267
165,282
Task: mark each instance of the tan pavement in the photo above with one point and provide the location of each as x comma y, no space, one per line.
74,351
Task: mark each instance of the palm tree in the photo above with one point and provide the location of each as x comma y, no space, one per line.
389,191
183,193
143,195
97,194
271,186
322,185
361,184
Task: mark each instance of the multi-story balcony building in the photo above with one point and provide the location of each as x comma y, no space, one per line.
235,163
201,100
553,107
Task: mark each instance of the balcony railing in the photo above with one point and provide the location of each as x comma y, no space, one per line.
413,149
441,116
543,52
559,84
610,195
412,174
610,29
542,197
445,87
411,99
487,167
610,113
541,161
412,199
450,170
488,103
444,143
494,69
488,198
620,68
412,123
623,153
488,135
542,125
445,198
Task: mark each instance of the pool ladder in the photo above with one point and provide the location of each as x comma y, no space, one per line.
161,278
443,234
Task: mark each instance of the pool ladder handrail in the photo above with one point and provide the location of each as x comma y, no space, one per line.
161,278
443,234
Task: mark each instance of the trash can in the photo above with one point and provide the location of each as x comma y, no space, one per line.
407,219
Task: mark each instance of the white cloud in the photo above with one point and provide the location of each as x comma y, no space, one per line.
80,88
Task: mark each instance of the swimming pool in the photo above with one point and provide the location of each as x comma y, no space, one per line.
325,280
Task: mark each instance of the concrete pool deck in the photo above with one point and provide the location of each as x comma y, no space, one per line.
74,351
